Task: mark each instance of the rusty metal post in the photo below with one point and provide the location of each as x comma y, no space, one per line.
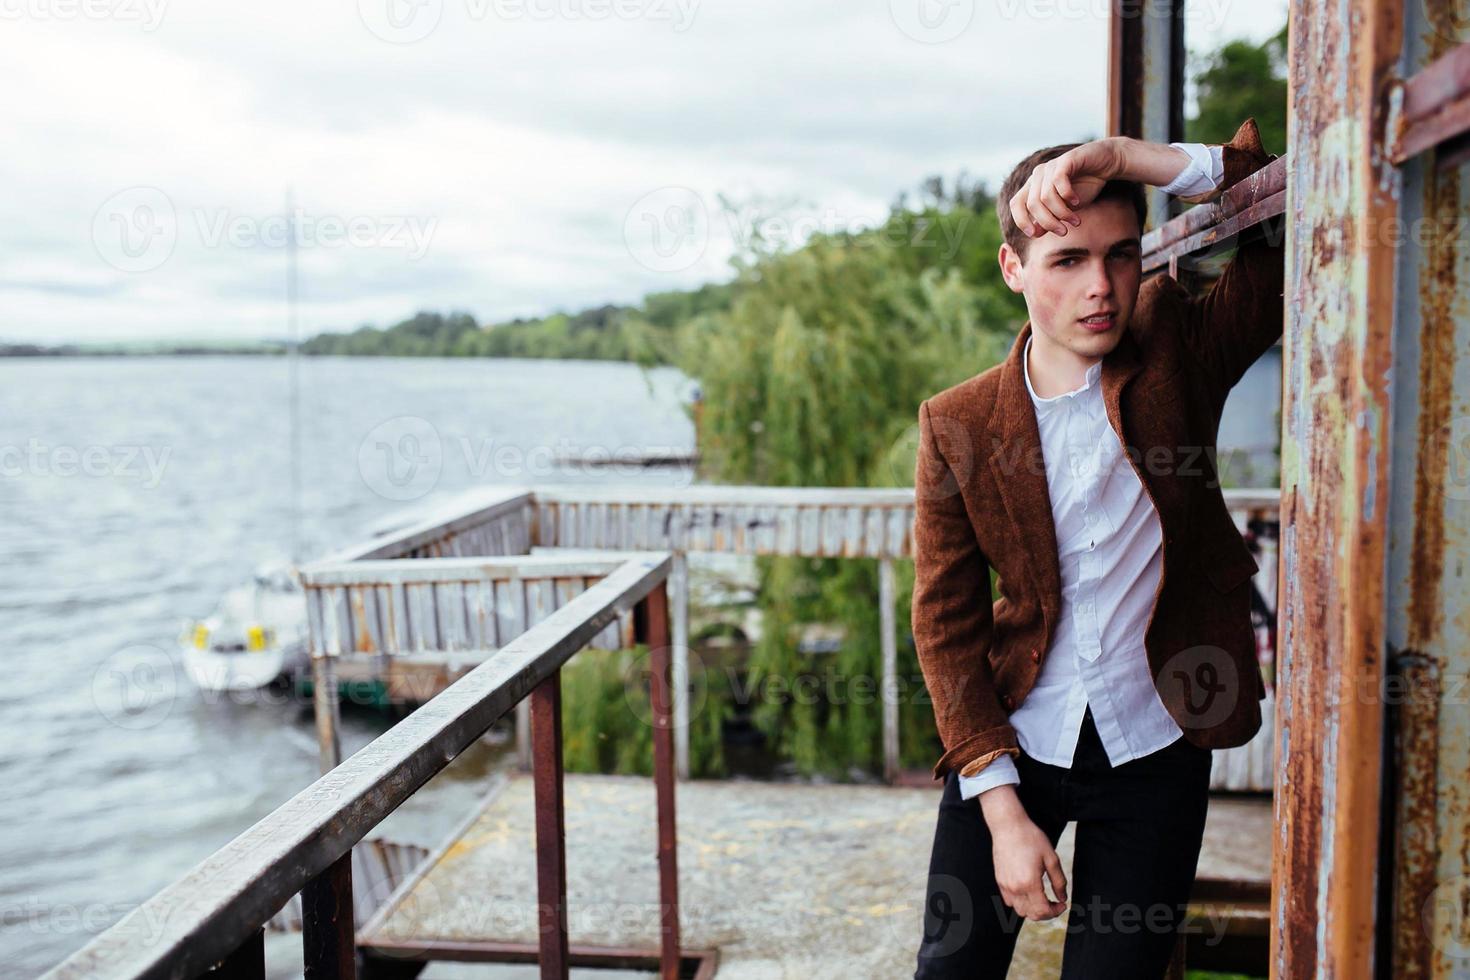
1342,200
1426,905
328,941
679,578
551,851
1146,79
656,618
326,701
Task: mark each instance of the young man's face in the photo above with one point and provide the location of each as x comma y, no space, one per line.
1095,268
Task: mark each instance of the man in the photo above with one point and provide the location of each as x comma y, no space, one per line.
1120,651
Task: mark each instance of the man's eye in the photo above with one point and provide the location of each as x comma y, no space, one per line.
1063,262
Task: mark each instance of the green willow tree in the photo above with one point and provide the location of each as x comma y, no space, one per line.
813,378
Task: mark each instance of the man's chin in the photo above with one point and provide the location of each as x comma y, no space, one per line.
1096,343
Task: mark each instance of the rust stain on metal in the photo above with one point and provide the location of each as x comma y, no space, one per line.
362,639
1416,750
1338,343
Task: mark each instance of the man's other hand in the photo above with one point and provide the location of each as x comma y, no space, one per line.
1023,856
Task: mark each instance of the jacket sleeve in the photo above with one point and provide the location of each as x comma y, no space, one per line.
1239,317
951,612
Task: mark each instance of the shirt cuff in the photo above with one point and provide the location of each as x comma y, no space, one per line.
1203,172
1000,771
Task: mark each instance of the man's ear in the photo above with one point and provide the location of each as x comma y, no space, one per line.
1010,268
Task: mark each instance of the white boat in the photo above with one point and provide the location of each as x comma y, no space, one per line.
255,635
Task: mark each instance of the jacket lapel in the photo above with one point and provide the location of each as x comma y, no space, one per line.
1018,465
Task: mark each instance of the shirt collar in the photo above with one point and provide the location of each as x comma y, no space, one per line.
1045,405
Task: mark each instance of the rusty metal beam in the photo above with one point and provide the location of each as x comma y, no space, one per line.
1334,486
1434,107
1146,79
1426,882
1257,199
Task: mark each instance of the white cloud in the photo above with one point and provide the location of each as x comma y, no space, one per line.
516,145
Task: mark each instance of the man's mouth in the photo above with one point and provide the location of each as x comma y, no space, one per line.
1099,321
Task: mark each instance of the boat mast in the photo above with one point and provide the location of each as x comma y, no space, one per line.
293,377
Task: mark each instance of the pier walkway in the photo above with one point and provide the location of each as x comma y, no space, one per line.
776,881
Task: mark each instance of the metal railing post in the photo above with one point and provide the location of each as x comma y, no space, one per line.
327,928
551,854
247,962
656,616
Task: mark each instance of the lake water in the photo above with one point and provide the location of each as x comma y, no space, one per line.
134,492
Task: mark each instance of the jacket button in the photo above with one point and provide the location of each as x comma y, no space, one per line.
1035,656
1008,701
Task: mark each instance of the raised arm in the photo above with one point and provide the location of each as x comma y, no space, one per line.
1241,315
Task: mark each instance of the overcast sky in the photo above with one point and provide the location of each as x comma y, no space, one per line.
504,157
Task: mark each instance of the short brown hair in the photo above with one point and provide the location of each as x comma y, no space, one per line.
1128,191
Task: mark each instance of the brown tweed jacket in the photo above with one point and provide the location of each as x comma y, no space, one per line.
981,502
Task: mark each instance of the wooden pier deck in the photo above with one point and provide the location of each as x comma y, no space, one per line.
778,880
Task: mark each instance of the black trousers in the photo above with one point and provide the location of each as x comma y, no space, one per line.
1139,829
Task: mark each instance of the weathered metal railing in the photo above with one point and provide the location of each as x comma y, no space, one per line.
213,918
396,622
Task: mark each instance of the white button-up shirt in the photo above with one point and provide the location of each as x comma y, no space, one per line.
1110,558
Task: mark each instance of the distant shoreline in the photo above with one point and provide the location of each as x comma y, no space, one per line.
75,350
